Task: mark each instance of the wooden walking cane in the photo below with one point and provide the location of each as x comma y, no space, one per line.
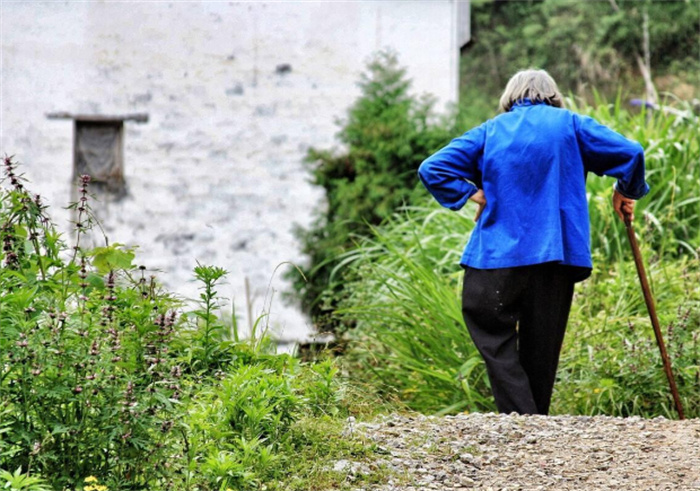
652,313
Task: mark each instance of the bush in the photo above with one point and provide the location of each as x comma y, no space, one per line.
106,384
86,385
241,428
384,138
403,289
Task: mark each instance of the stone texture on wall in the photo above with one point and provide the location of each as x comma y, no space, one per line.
235,92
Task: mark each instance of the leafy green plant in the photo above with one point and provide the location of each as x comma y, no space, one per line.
16,481
241,430
322,389
86,384
384,137
239,424
206,347
100,375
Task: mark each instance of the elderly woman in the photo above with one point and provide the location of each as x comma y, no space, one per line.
526,170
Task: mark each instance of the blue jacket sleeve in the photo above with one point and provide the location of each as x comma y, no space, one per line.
606,152
452,174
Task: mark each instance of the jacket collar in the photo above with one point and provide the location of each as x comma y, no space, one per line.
525,102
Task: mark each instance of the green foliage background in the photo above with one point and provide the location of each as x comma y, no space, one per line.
587,46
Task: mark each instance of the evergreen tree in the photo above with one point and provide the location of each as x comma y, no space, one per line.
386,135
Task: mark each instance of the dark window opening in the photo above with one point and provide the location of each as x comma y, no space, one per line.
99,152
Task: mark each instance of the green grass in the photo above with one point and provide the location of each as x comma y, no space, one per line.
410,338
610,361
403,289
670,213
320,443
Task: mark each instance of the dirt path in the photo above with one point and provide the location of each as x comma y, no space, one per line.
530,453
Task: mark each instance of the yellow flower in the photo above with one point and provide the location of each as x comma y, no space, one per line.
91,479
597,390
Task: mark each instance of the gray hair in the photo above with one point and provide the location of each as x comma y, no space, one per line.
536,85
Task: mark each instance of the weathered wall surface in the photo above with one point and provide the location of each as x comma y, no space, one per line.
216,174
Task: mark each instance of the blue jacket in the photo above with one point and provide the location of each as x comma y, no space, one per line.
532,163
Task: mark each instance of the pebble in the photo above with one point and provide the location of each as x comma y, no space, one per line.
529,453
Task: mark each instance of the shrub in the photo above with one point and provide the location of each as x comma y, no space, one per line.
384,137
241,430
105,384
86,385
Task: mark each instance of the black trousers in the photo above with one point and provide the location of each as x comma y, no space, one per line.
517,318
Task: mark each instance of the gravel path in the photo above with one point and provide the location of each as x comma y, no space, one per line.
530,453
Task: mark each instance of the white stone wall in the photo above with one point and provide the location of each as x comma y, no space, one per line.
216,174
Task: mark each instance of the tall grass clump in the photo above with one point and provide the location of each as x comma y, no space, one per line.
610,361
404,291
410,338
671,210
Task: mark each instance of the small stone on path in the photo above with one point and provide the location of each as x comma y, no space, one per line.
527,453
